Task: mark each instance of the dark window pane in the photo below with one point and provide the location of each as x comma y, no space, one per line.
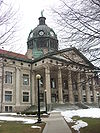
10,108
53,83
6,108
8,96
25,96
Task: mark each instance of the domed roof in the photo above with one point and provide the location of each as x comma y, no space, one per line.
42,30
42,39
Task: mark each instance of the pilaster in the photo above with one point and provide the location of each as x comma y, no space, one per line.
71,98
79,87
47,84
33,88
87,90
60,94
94,90
18,86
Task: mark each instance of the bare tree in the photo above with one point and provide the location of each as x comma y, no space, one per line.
80,22
8,23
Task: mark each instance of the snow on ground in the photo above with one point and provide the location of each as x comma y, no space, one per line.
91,113
36,127
79,124
11,114
21,119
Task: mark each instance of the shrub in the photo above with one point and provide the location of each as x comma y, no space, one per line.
31,113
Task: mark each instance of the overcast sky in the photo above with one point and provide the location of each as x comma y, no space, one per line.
30,11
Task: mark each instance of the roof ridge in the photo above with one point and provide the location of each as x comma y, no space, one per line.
11,52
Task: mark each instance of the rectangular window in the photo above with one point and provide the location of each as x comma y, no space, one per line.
76,98
66,97
8,108
84,98
8,77
41,82
92,99
53,83
83,85
41,97
65,84
25,79
25,96
53,98
8,96
74,84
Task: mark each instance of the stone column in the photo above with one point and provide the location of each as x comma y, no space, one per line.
87,90
79,87
60,94
71,98
47,84
94,90
18,86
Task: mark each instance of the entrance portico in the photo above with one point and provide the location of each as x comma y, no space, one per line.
64,84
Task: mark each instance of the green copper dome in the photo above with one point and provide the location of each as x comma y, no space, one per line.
42,30
42,37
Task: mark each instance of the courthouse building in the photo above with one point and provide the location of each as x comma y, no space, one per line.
67,76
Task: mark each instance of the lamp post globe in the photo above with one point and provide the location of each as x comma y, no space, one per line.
38,76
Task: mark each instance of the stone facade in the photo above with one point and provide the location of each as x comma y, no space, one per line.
65,82
66,75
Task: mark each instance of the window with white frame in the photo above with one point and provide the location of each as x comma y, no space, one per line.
25,96
8,77
8,96
25,79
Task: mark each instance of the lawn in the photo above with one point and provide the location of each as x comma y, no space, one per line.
19,127
93,125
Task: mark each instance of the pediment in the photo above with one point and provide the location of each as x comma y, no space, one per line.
73,56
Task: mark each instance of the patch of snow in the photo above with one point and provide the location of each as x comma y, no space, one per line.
79,124
21,119
69,120
90,113
30,121
55,111
11,114
35,127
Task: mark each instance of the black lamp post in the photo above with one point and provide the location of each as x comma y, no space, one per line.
38,77
45,92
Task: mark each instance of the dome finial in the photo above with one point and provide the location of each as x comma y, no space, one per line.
42,18
42,13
